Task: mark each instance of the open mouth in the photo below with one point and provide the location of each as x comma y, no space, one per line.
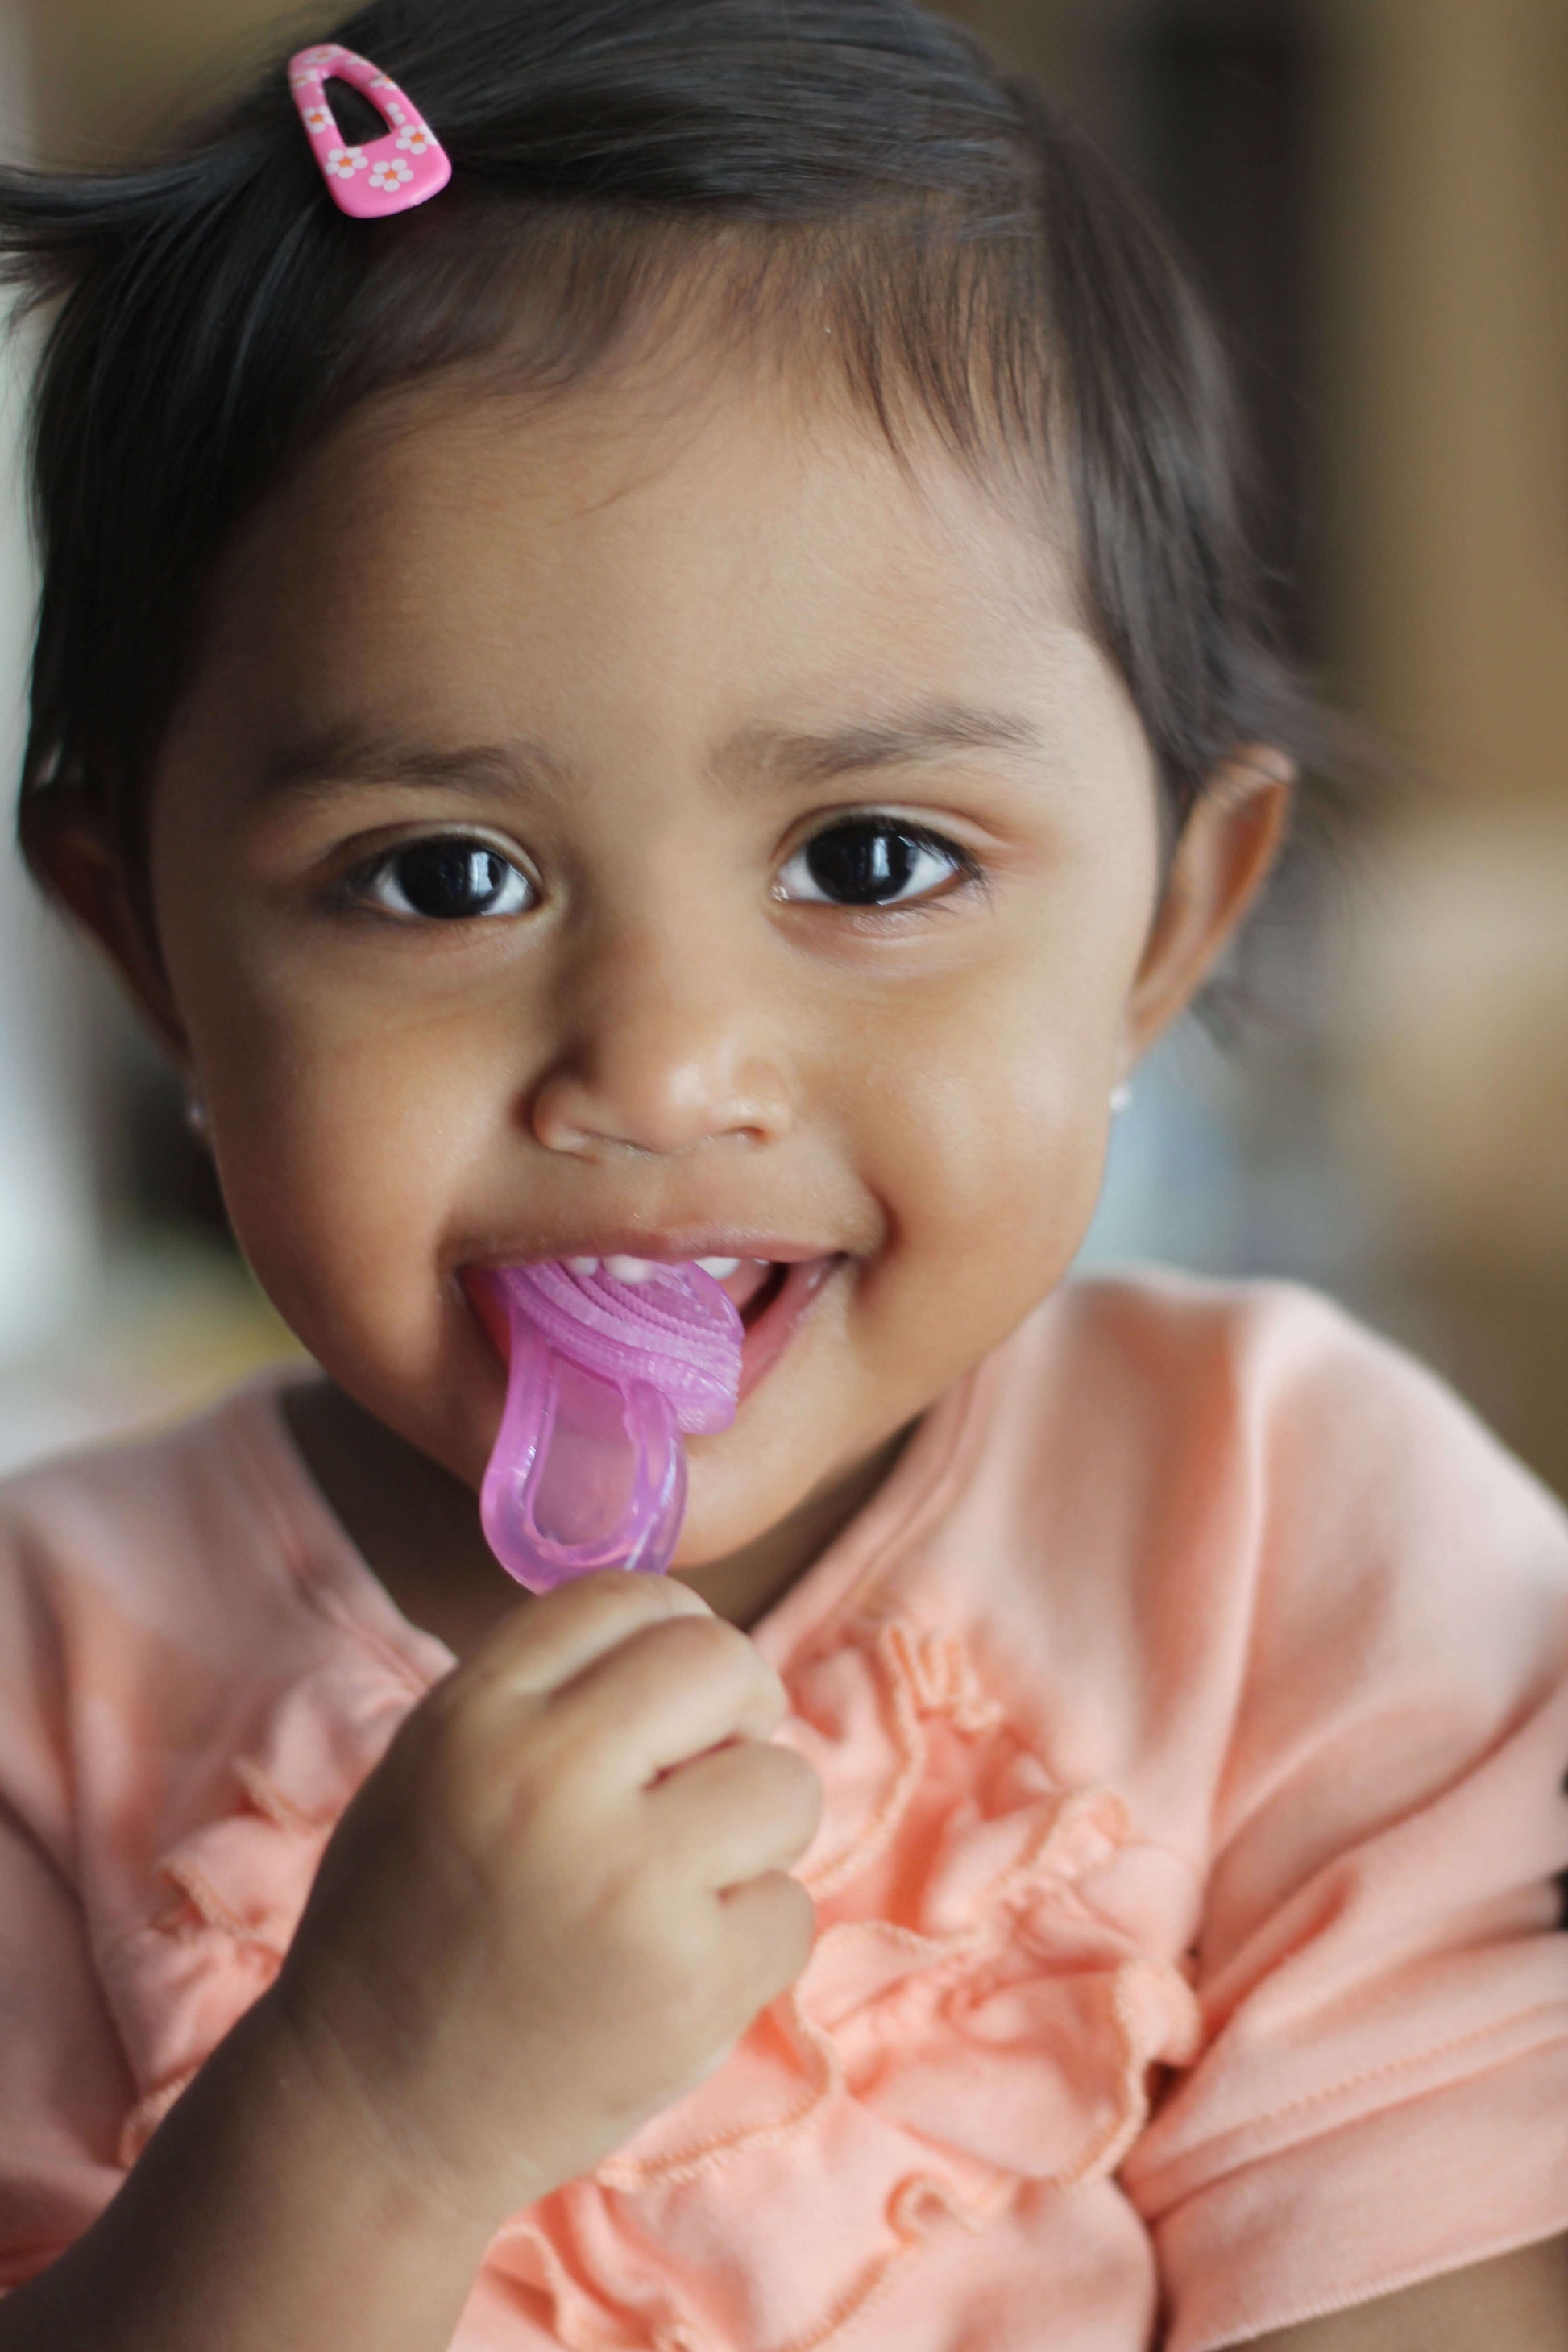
753,1286
778,1307
772,1298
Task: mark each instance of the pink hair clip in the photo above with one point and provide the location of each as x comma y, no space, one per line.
392,174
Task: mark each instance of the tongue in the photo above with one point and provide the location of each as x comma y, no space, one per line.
589,1469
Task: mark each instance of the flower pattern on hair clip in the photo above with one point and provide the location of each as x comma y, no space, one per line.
406,166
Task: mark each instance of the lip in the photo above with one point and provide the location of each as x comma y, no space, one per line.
671,1246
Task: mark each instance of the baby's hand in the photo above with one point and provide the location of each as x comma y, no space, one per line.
560,1900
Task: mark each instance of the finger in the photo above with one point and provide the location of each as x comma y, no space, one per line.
668,1693
769,1927
544,1645
736,1814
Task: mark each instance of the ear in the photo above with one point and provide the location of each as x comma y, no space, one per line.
68,844
1227,849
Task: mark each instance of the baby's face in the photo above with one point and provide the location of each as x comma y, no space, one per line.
656,825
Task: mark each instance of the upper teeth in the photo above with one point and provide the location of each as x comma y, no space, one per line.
643,1269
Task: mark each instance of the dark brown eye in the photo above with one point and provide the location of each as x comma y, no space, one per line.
450,880
872,862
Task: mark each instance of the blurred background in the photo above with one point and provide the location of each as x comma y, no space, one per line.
1374,193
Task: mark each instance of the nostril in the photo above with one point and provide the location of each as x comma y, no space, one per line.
634,1089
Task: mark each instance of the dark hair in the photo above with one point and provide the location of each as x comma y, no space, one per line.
858,163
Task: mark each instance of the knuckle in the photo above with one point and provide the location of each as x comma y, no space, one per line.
426,1757
693,1651
707,1638
798,1919
643,1916
795,1770
587,1596
800,1786
460,1721
566,1630
791,1927
770,1696
456,1730
610,1592
478,1758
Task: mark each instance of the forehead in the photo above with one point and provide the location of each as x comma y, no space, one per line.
709,541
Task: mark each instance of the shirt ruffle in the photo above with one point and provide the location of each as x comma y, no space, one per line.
232,1890
995,1973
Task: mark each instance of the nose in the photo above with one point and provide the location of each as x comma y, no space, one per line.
664,1048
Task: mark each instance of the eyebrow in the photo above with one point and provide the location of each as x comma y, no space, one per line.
926,731
343,758
770,758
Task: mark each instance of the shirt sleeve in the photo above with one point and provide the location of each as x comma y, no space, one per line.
1382,2091
64,2084
63,2087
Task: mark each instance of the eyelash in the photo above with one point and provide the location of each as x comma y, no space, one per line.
967,871
354,891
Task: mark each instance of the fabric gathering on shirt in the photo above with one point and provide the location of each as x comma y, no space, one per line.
1189,1705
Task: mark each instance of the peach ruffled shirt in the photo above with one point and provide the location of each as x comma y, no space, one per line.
1191,1708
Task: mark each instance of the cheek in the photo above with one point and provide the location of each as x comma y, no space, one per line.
343,1133
994,1191
986,1137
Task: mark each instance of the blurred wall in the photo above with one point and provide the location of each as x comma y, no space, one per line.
1445,311
50,1227
1433,377
1391,248
101,70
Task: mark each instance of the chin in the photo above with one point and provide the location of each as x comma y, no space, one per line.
708,1539
727,1509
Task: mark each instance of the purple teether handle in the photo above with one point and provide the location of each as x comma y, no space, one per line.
589,1469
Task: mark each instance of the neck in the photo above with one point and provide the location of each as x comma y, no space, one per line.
417,1527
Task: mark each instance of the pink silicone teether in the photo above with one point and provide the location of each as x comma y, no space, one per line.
589,1470
407,167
